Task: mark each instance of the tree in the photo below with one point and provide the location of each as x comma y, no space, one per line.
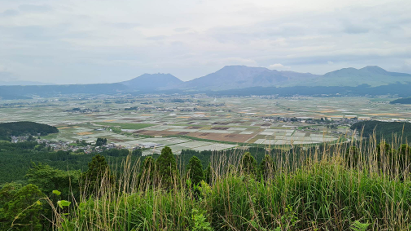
20,207
248,164
49,179
195,170
98,171
167,168
101,141
137,152
267,167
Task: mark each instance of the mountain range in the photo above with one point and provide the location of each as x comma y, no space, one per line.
230,79
237,77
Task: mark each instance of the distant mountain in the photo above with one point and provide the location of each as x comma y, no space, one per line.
153,82
237,77
234,77
370,75
370,80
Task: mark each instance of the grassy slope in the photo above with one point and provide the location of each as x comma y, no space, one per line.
302,195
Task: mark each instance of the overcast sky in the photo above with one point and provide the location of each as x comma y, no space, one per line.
87,41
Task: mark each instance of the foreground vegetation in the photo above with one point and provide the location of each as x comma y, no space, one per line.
357,186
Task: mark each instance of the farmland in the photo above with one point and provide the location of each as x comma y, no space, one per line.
202,123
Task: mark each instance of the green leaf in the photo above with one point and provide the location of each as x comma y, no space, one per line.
63,203
57,192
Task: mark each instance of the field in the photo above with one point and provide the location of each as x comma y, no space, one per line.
201,122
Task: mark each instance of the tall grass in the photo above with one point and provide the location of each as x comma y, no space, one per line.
328,188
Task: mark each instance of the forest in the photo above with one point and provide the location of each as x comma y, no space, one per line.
401,101
25,128
388,131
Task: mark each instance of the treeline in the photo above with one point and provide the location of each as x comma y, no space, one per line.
25,128
16,159
401,101
398,132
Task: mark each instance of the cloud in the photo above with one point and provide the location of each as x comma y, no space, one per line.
125,25
352,29
279,66
75,41
9,13
35,8
182,29
160,37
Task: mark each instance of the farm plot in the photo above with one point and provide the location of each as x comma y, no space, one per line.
125,125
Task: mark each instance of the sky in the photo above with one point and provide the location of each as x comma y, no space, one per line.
100,41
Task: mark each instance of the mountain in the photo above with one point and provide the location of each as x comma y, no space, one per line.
370,75
239,80
153,82
235,77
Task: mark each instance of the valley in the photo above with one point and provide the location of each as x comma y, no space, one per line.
199,122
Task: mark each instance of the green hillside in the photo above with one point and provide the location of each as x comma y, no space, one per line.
384,130
24,128
401,101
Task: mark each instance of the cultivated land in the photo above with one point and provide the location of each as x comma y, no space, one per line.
200,122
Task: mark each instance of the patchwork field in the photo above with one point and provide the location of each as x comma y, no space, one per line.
200,122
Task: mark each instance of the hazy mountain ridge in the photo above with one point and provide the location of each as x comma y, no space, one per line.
370,75
153,82
234,78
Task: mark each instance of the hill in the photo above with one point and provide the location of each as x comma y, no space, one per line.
402,101
370,75
384,130
153,82
25,128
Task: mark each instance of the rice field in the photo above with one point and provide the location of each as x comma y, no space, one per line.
199,123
